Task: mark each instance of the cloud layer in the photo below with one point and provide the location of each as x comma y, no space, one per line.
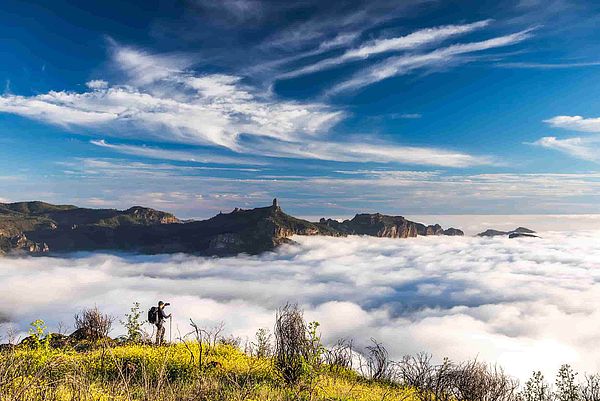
525,303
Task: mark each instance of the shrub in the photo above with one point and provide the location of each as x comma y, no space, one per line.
377,365
566,388
133,324
298,347
536,389
474,380
38,332
261,347
231,340
339,357
590,390
93,324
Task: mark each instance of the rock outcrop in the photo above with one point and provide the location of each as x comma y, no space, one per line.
19,243
37,227
516,233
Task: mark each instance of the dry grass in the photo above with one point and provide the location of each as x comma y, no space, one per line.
138,372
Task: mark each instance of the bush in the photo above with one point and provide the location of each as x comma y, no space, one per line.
298,347
261,347
566,387
590,390
474,380
133,324
536,389
91,324
339,357
38,332
448,381
377,365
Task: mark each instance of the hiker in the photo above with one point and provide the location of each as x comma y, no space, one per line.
157,317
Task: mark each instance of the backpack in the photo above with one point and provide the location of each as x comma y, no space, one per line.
153,315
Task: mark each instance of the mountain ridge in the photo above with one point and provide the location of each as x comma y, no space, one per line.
39,227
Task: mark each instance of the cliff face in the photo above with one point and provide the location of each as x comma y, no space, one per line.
36,227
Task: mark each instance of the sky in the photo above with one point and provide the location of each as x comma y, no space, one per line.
525,304
414,107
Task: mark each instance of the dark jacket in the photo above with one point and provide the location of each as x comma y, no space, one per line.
162,316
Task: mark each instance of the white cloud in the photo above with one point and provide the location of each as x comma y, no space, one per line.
376,152
215,114
175,155
575,123
585,148
143,68
340,40
514,302
97,84
405,64
126,168
407,116
581,148
164,102
411,41
548,66
55,108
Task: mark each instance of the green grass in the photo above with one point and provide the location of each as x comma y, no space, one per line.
141,372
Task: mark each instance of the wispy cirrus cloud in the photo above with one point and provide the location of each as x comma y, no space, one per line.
175,155
160,100
405,64
240,10
331,19
548,66
365,152
203,110
413,40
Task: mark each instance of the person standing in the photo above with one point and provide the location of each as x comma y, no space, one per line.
161,316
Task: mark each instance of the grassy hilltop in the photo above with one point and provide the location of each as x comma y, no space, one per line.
141,372
202,365
292,364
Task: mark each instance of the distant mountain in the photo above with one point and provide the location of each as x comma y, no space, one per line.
517,232
38,227
379,225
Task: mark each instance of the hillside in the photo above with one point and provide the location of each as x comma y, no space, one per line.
37,227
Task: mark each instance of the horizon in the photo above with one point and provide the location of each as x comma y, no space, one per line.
483,109
470,224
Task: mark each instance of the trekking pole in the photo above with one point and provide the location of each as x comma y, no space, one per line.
170,327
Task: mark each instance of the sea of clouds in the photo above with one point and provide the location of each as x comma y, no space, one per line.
529,303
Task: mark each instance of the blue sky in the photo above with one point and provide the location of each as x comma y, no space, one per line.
412,107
